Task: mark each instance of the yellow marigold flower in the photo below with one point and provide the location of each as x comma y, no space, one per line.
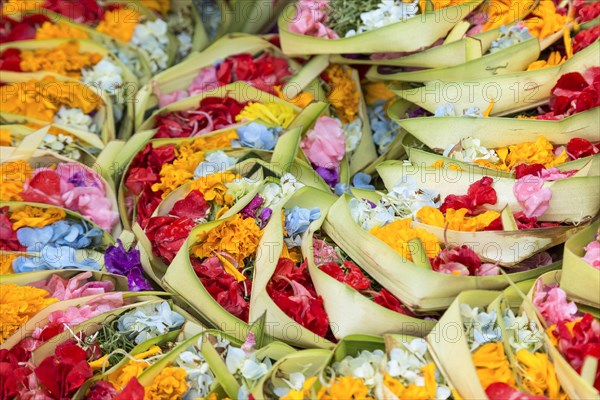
398,233
161,6
344,96
171,179
301,394
545,21
170,384
237,236
539,152
537,374
6,260
12,178
119,23
18,304
213,186
61,30
456,220
5,138
377,91
440,164
220,140
271,113
502,12
293,254
13,7
554,59
493,365
65,59
42,99
36,217
346,387
121,377
100,363
414,392
301,100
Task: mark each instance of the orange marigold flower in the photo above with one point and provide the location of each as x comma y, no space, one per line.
65,59
344,95
119,23
61,30
6,260
12,178
492,365
213,187
237,236
5,138
36,217
18,304
170,384
301,100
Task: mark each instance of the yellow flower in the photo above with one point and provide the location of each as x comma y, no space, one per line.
414,392
539,152
12,178
545,20
377,91
398,233
301,394
61,30
537,374
344,95
220,140
119,23
66,59
493,365
13,7
36,217
271,113
18,304
100,363
301,100
170,384
121,377
347,388
5,138
213,186
502,12
437,4
554,59
238,236
456,220
6,260
440,164
42,99
162,6
171,179
293,254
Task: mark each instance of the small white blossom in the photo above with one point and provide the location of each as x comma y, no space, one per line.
105,75
481,327
406,198
353,133
522,333
61,144
75,118
387,12
151,36
469,150
150,321
369,215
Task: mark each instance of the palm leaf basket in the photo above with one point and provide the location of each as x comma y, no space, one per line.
103,118
412,34
579,279
510,93
125,93
348,309
422,290
88,144
44,158
438,133
574,199
180,76
308,362
575,385
508,60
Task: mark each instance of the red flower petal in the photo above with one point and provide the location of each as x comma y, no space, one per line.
132,391
167,235
479,193
193,206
